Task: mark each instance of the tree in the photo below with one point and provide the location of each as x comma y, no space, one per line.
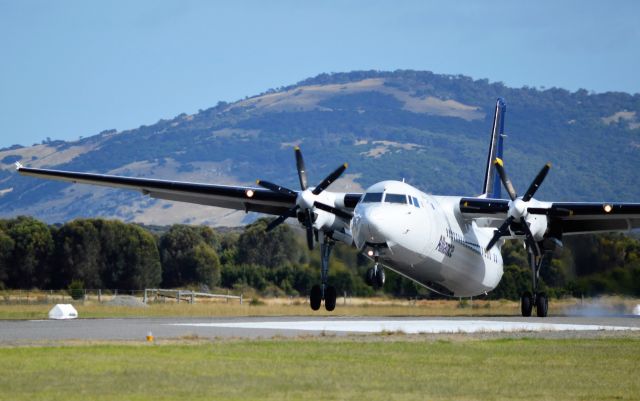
515,281
33,246
78,255
6,249
188,256
129,256
207,265
209,236
270,249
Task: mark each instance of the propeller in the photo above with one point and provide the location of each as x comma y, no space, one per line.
334,210
518,207
305,202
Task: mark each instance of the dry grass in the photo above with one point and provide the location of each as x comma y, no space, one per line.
299,307
310,97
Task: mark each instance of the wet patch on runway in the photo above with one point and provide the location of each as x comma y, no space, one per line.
407,326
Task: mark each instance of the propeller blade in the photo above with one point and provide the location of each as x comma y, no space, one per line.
276,188
309,224
536,183
331,209
302,171
275,223
500,232
496,237
330,179
505,180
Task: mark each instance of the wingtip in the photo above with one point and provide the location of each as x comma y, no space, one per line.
296,148
18,165
499,162
346,165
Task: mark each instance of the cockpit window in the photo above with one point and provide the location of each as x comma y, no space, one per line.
415,202
396,198
372,197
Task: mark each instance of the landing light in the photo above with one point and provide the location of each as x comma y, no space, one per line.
370,252
608,208
249,193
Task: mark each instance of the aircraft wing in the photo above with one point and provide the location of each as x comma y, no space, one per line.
249,199
573,217
231,197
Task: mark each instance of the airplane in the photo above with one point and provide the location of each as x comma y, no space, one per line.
448,244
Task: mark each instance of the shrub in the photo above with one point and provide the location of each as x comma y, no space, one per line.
76,289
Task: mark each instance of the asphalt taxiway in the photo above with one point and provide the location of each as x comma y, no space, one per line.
27,331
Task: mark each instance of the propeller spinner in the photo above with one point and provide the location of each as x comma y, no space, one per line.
306,198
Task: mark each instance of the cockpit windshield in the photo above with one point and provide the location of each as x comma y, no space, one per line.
372,197
396,198
377,197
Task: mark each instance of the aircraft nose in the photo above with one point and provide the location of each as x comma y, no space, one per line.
370,226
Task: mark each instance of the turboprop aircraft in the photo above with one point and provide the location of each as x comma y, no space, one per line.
449,244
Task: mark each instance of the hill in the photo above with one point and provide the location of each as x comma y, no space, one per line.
432,130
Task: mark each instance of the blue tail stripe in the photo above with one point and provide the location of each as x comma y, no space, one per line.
497,185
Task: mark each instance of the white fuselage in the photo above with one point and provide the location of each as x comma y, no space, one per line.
426,239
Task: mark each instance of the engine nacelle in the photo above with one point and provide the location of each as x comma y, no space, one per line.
538,225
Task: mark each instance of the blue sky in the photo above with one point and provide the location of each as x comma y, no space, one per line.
74,68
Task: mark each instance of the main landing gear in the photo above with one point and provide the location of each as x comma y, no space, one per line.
536,299
324,292
375,276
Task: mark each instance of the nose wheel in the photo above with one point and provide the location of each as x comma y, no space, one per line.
324,291
375,276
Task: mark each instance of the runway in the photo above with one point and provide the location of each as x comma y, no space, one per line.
135,329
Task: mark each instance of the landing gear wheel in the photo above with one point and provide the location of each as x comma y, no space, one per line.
542,305
380,277
330,298
370,276
315,298
526,304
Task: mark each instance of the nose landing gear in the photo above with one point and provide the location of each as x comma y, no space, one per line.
375,276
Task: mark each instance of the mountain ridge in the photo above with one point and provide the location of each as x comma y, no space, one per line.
430,129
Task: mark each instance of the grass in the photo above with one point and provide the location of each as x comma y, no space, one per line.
282,307
352,368
300,307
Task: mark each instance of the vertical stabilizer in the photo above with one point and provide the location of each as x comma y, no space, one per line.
491,187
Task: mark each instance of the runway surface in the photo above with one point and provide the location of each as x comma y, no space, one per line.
265,327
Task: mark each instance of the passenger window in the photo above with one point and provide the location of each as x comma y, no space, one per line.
415,202
372,197
395,198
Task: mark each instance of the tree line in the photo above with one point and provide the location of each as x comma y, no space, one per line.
110,254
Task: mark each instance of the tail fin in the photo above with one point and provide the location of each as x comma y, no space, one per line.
491,187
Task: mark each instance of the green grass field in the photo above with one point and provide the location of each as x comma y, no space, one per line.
379,367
